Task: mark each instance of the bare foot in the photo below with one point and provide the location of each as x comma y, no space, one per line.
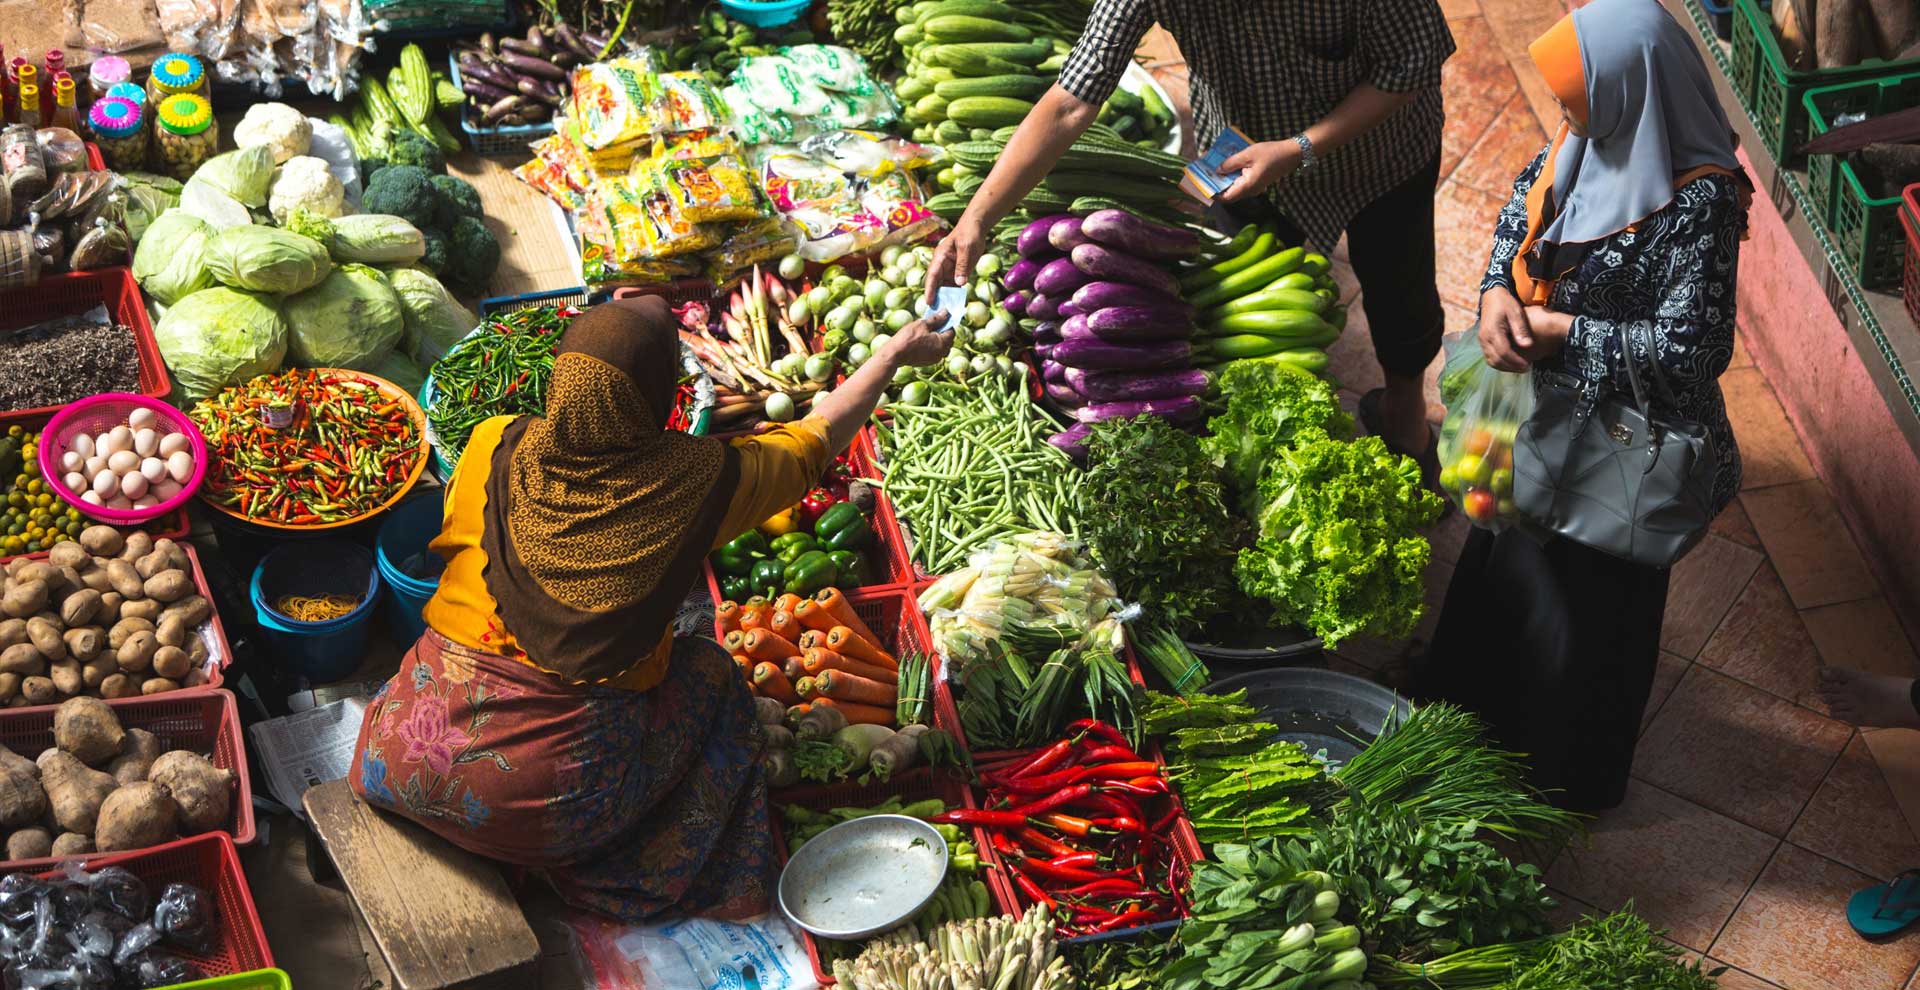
1880,701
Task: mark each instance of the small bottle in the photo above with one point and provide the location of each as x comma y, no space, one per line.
117,128
107,72
186,135
56,61
30,105
66,113
176,73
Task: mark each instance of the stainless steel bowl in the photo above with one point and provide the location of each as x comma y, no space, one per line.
863,877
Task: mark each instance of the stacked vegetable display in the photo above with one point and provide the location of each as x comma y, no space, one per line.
824,540
1100,170
1259,298
516,81
758,350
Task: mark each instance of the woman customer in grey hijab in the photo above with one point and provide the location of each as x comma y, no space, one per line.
1626,227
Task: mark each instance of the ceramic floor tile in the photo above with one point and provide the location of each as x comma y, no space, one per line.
1701,588
1736,979
1809,544
1476,83
1853,818
1666,677
1734,524
1463,230
1683,867
1506,147
1762,641
1792,929
1738,750
1567,910
1347,281
1516,23
1770,451
1864,634
1351,360
1897,753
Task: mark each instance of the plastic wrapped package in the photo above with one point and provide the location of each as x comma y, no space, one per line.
749,245
697,144
62,149
774,82
852,110
608,107
832,67
114,28
679,102
20,263
1041,582
709,191
72,195
868,153
1485,408
23,166
103,246
820,202
900,204
50,242
549,178
599,269
757,125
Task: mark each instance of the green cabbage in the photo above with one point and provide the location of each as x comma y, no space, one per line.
244,174
398,369
377,239
435,320
219,337
170,261
349,320
148,196
267,259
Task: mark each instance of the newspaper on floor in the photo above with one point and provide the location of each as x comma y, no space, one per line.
307,748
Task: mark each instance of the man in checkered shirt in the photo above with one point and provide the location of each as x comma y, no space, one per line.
1343,98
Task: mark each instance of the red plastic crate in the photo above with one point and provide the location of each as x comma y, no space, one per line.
203,720
1910,274
211,863
77,292
917,576
891,615
219,652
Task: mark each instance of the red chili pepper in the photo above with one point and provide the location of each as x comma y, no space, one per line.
1154,787
1087,913
980,818
1031,889
1087,859
1112,807
1131,919
1109,753
1047,871
1042,842
1045,760
1098,729
1121,771
1042,783
1108,887
1064,796
1161,824
1123,825
1077,827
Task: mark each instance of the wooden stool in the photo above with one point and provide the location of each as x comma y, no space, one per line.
442,916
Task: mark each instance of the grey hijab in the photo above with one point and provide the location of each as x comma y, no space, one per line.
1651,116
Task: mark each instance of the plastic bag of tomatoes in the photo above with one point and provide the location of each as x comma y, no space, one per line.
1485,408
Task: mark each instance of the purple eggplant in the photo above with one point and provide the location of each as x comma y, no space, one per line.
1043,352
1093,354
1073,440
1141,238
532,66
1015,303
1185,409
1033,237
1123,332
1063,395
1053,372
1142,321
1110,265
1100,295
1069,310
1020,275
1040,306
1060,278
1066,235
1046,332
1135,386
1074,327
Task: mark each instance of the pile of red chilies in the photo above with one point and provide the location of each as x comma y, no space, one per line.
1084,826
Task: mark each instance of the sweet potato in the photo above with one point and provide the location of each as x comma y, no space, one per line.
13,632
110,602
9,686
66,677
138,815
193,609
137,755
30,843
173,631
202,790
125,629
126,580
72,844
171,662
89,730
120,685
136,654
10,760
74,789
22,800
1839,33
84,643
145,609
95,672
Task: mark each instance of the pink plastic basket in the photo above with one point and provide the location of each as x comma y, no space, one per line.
98,414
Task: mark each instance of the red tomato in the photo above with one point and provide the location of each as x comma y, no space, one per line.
1479,505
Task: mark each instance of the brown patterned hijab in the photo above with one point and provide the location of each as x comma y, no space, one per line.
598,517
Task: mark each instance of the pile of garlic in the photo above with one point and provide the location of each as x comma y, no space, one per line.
136,465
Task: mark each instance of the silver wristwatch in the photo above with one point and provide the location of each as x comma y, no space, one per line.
1306,151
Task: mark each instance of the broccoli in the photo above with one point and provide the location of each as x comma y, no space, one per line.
408,147
435,260
457,199
301,220
405,191
472,255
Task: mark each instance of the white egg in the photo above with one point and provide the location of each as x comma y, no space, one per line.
122,461
119,438
120,502
105,483
145,442
95,464
173,442
153,469
141,418
83,445
165,489
91,497
77,482
133,485
72,461
145,502
180,466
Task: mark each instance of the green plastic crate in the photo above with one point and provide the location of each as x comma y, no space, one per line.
1774,93
1866,228
259,979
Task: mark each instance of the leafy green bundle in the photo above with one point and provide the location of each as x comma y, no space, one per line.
1236,781
1269,409
1620,950
1262,920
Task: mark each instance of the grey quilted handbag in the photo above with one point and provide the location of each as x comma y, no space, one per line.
1628,478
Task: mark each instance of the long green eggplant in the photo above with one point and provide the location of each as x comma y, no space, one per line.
1276,323
1270,298
1249,279
1262,247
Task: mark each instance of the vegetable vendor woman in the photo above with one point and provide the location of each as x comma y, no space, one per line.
548,717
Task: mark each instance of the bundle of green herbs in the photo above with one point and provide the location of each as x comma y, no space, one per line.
1620,950
1237,780
1264,920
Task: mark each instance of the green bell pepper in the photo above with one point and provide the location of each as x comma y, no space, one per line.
852,566
736,588
790,547
749,542
837,517
811,572
852,536
768,577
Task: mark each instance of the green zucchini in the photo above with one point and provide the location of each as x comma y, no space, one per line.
1018,86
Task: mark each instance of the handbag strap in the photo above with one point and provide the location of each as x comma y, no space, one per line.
1640,399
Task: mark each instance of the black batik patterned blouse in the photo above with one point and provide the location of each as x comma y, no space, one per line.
1272,68
1668,279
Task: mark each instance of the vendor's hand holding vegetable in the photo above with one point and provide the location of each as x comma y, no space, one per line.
913,345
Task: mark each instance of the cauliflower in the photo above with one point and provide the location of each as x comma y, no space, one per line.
308,184
282,129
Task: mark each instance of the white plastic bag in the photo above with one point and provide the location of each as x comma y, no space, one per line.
694,954
1484,411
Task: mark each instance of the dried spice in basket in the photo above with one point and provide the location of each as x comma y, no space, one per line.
302,447
66,360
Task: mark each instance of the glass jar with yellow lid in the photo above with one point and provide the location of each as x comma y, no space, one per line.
176,73
185,135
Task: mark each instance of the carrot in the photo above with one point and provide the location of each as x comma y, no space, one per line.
753,617
814,615
836,603
787,602
812,638
786,625
859,714
765,644
842,686
795,712
735,641
817,660
807,688
726,616
796,669
847,643
746,666
773,683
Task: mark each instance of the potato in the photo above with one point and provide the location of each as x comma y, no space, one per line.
137,753
25,598
193,609
125,628
137,545
13,632
22,800
158,685
45,636
30,843
38,690
120,685
176,554
38,570
197,651
146,608
14,565
69,554
88,729
110,603
126,580
94,672
23,659
171,662
84,642
66,677
202,791
136,816
18,701
96,578
173,631
168,586
80,608
153,563
136,653
102,541
195,678
72,844
9,686
70,581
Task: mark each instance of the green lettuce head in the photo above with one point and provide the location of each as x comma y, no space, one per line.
350,320
267,259
170,262
219,337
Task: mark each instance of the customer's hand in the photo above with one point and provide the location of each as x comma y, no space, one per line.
918,343
953,258
1260,166
1505,334
1550,331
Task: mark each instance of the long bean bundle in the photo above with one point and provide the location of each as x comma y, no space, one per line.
972,465
502,371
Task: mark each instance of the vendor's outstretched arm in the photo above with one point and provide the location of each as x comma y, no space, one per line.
850,404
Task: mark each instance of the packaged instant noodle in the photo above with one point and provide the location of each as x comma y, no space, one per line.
707,191
679,102
609,107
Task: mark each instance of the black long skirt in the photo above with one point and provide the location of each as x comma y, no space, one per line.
1555,645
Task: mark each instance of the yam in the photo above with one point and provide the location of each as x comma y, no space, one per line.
146,608
126,580
156,685
136,654
22,800
30,843
193,610
137,755
70,554
39,690
88,729
13,632
171,662
75,790
72,844
1838,33
110,602
45,636
120,685
103,541
125,630
136,816
1793,23
136,546
80,607
84,643
66,677
24,598
202,790
1895,24
22,659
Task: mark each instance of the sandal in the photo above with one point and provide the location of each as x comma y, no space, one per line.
1886,908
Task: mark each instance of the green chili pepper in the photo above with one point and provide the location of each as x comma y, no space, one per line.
503,371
